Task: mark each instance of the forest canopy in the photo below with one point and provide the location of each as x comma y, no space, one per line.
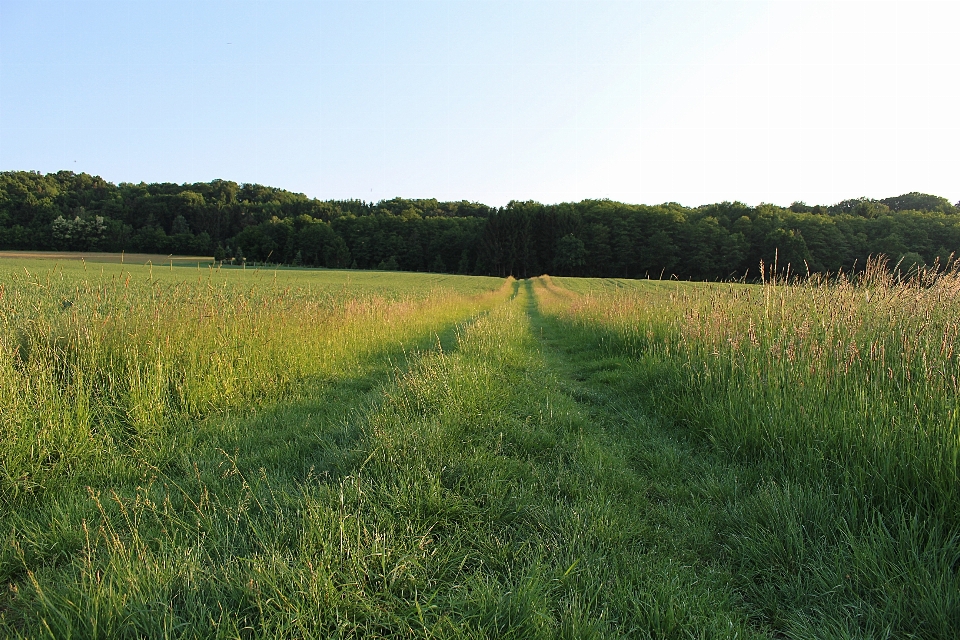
67,211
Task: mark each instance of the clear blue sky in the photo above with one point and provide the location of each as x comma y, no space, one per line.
692,102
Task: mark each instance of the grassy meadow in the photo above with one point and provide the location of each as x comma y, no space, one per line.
202,453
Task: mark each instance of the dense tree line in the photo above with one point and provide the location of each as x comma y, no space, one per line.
249,222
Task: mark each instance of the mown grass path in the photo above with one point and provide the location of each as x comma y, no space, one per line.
500,484
667,495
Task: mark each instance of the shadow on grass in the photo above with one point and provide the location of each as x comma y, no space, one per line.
315,433
808,549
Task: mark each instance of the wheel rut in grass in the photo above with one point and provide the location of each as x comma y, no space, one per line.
663,494
498,485
172,542
495,501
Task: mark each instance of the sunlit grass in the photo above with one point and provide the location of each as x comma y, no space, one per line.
470,496
843,394
99,363
371,454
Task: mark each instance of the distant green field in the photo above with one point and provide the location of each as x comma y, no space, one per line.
235,453
389,284
100,256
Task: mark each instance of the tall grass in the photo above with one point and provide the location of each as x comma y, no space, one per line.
857,377
471,497
97,367
609,458
842,394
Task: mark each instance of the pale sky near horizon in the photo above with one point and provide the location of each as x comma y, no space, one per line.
645,102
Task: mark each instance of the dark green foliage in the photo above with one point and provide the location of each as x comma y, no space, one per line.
68,211
914,201
390,264
571,254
